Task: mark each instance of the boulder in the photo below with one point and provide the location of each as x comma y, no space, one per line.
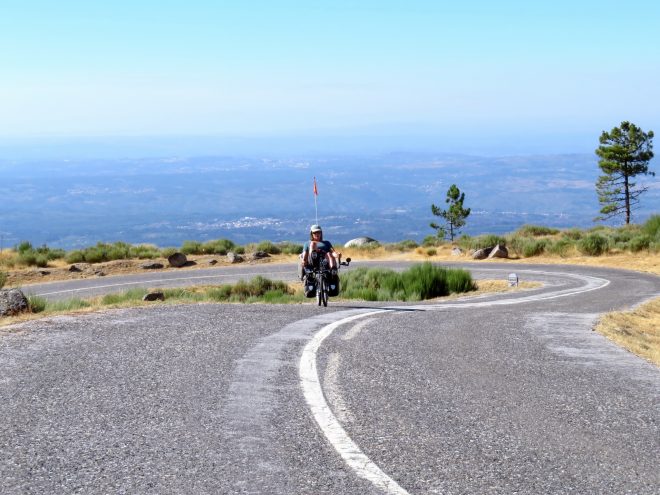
13,302
79,267
260,255
360,241
234,258
154,296
152,266
481,254
457,251
499,252
213,262
177,260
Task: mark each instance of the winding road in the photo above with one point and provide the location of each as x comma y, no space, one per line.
497,394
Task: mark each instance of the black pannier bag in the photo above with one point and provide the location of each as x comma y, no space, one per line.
309,285
333,282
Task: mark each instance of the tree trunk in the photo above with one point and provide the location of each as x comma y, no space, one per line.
627,193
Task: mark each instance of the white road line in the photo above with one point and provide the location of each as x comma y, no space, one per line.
329,424
336,435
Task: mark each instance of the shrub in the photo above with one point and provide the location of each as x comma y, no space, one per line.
534,247
639,243
129,295
76,256
68,305
652,227
573,234
218,246
422,281
191,247
560,247
536,231
143,251
3,279
23,247
482,241
266,247
431,252
593,244
290,248
37,304
257,287
432,241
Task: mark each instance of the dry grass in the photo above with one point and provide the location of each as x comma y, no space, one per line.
637,330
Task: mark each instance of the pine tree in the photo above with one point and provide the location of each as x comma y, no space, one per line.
624,153
454,216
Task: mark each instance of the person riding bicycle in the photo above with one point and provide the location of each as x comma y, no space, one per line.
318,245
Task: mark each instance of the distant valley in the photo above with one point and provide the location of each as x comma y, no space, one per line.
165,201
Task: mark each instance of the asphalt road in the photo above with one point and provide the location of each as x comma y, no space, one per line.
498,394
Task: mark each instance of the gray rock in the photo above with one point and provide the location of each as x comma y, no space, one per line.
481,254
152,266
213,262
360,241
499,252
234,258
260,255
79,267
177,260
154,296
13,302
456,251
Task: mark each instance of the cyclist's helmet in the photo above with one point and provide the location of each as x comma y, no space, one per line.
315,228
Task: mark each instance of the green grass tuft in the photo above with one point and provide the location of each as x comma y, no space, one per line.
419,282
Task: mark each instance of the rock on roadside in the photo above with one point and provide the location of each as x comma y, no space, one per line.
177,260
13,302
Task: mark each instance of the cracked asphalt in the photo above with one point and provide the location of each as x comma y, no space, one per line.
465,396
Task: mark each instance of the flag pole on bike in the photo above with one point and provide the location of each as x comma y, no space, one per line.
316,206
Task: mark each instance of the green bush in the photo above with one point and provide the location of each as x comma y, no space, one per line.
482,241
534,247
432,241
561,247
573,234
75,256
218,246
536,231
640,243
3,279
23,246
37,304
593,244
126,296
652,227
67,305
290,248
422,281
431,252
192,247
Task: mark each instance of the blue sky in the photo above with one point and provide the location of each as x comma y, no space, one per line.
548,72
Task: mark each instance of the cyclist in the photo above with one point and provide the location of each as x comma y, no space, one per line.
324,248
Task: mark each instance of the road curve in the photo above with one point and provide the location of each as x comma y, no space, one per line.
497,394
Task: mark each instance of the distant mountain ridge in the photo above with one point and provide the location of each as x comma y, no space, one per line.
165,201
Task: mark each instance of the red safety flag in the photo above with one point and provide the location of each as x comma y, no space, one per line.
316,191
